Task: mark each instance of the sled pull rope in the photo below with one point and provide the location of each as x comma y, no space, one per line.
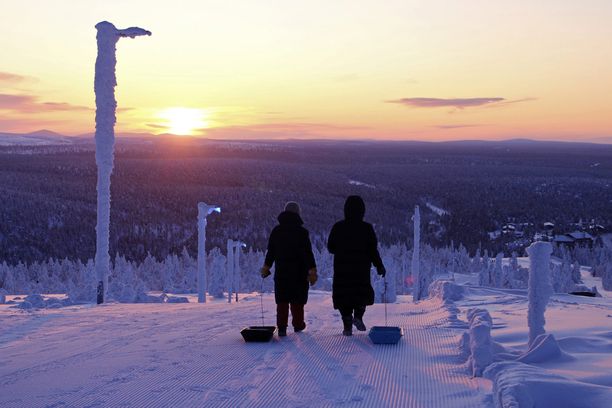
385,298
261,302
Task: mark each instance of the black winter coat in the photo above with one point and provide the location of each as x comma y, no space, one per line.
353,243
290,249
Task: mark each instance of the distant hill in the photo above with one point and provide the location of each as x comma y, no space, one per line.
38,138
48,137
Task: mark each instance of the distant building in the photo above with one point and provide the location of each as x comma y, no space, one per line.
576,238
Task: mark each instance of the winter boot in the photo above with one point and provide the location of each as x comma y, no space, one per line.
359,324
347,321
300,328
282,331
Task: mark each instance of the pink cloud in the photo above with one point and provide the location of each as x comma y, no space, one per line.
30,104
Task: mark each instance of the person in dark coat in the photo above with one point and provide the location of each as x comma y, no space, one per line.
290,248
353,243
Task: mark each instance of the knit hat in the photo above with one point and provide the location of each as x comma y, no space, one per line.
293,207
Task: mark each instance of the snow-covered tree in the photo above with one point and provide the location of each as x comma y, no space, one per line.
576,275
420,287
606,278
104,86
216,273
539,287
498,271
484,275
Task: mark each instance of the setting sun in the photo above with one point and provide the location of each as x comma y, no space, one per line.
184,121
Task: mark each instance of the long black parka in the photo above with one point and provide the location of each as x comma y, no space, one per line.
290,248
353,243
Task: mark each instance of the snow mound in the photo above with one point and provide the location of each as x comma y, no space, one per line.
446,291
576,344
177,299
37,301
544,349
518,385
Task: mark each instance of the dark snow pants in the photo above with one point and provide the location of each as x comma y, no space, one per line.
348,313
297,315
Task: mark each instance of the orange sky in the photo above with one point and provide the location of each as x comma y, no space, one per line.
426,70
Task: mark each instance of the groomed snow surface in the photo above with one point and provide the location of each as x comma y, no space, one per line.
192,355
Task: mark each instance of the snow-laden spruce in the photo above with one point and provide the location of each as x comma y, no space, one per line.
420,284
204,210
232,278
540,287
106,106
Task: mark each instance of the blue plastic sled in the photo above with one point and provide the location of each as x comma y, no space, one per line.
385,334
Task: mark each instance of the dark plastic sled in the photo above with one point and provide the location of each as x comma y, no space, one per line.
385,334
259,334
582,293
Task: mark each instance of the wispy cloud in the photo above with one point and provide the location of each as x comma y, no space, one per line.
459,103
12,78
513,101
456,126
30,104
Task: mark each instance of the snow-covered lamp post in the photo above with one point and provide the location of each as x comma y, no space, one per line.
106,106
416,270
540,287
204,210
238,245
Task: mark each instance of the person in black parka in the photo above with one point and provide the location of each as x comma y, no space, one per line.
290,248
353,243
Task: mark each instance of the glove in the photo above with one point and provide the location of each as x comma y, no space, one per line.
312,276
265,271
381,271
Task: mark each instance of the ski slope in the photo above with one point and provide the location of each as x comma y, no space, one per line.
192,355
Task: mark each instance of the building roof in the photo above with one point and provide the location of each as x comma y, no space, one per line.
563,238
580,235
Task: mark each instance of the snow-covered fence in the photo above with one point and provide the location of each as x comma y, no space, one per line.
106,106
540,287
476,344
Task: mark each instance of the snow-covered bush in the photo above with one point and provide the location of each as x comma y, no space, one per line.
446,290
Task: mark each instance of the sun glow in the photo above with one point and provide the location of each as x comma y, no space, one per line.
185,121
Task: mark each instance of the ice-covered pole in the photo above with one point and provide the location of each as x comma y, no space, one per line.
415,266
229,278
104,87
204,210
238,245
540,287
